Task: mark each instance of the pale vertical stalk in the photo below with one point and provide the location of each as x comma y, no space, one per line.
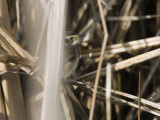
43,3
54,49
18,14
108,91
100,61
44,24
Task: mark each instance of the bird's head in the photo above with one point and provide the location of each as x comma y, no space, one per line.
73,39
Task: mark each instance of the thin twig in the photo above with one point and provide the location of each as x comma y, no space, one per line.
107,4
13,59
80,14
137,59
127,63
44,23
139,97
129,46
101,59
148,78
10,42
154,112
124,12
132,18
144,102
99,30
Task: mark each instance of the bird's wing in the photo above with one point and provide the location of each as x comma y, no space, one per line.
69,53
71,60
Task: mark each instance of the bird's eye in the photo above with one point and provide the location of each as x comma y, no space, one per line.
71,38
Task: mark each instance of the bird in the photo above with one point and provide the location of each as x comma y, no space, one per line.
72,52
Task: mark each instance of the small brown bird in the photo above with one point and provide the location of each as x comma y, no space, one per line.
71,54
